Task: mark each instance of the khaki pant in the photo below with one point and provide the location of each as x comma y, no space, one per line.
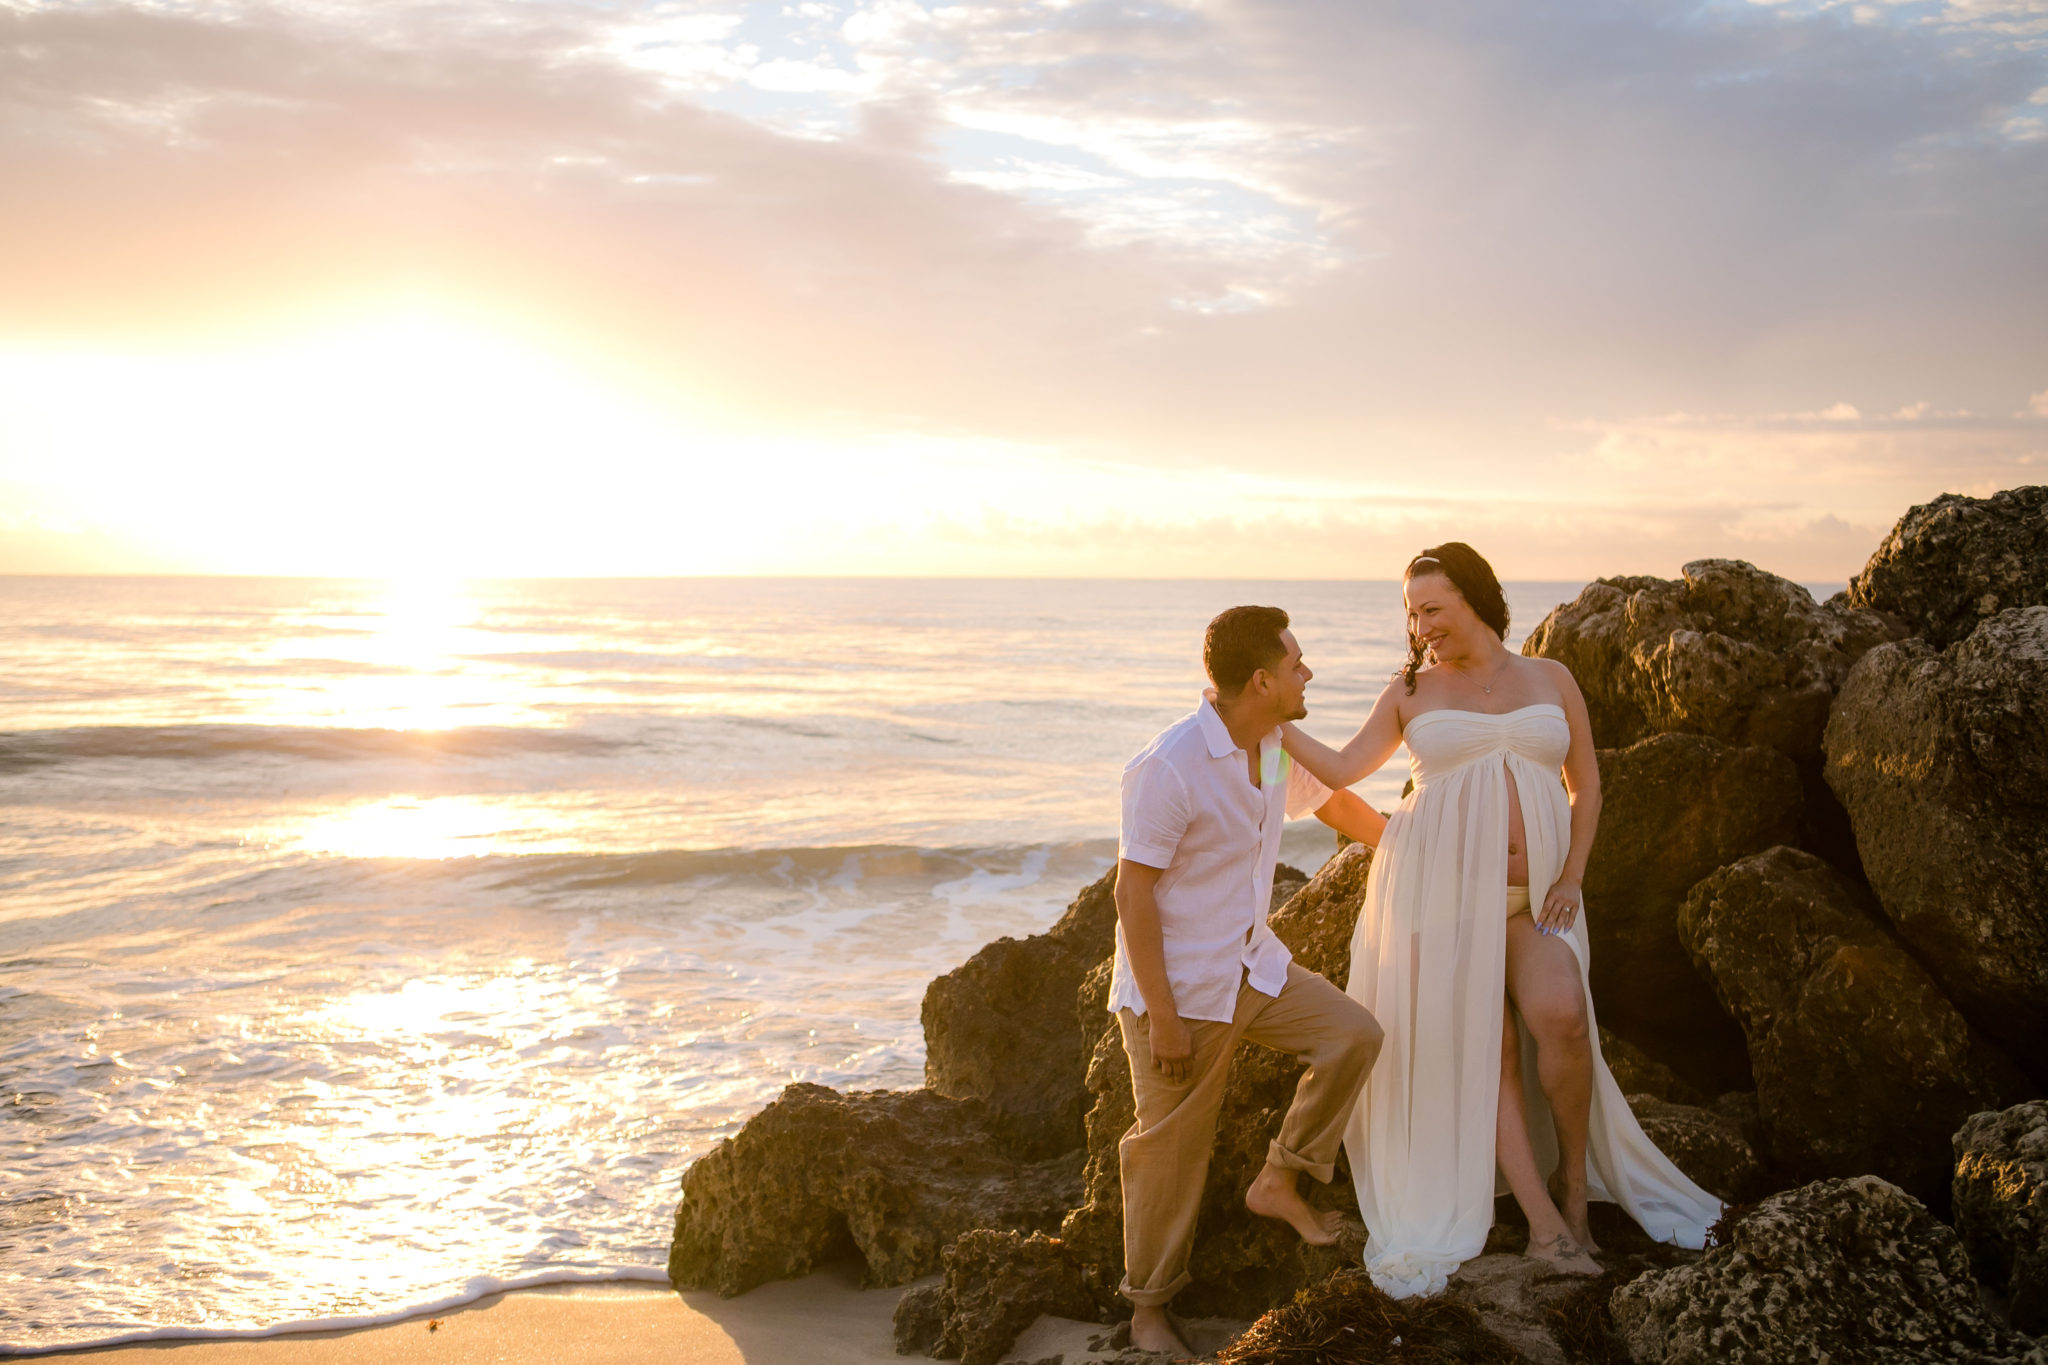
1165,1155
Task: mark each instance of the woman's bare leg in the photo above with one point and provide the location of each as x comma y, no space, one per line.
1543,982
1550,1238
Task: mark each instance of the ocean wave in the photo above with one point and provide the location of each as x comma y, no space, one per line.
21,750
957,872
478,1287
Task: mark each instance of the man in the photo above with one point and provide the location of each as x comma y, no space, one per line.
1198,968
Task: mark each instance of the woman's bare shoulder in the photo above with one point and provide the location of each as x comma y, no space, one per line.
1558,677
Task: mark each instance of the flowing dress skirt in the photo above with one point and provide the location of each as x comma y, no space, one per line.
1429,959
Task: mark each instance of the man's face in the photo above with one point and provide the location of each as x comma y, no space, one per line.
1289,680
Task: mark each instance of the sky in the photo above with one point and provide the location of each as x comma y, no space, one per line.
1241,288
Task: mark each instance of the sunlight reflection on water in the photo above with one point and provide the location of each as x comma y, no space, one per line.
358,940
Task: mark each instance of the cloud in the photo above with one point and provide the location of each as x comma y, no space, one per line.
1393,247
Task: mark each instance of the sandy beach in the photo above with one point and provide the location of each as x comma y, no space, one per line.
822,1319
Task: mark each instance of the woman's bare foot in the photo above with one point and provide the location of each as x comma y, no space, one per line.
1572,1204
1273,1195
1152,1330
1562,1254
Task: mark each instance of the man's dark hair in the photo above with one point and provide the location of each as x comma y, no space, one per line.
1240,642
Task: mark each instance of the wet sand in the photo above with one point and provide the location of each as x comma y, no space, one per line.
822,1319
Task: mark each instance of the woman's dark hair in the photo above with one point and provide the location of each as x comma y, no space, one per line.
1475,581
1240,642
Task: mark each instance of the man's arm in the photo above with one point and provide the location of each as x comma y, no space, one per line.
1347,813
1137,910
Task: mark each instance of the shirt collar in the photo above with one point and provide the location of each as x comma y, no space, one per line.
1221,745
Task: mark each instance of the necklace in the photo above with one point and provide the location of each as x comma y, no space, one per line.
1486,687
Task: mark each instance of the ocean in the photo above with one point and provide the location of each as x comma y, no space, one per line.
366,947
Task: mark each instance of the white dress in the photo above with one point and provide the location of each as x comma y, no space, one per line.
1429,959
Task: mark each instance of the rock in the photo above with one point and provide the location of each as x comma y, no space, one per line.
893,1176
2001,1207
1674,807
1740,1108
1316,920
1241,1264
1941,758
919,1318
996,1028
1344,1320
1862,1064
996,1285
1953,562
1638,1073
1287,880
1727,651
1708,1146
1516,1299
1840,1270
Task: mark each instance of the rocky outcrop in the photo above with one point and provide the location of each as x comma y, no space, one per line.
2001,1207
1727,651
1241,1264
1516,1299
1862,1064
996,1285
1638,1073
1708,1146
1675,807
919,1318
1941,758
1344,1320
998,1028
1316,921
1954,562
1841,1270
891,1176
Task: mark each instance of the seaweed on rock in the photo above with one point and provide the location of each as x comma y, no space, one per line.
1345,1320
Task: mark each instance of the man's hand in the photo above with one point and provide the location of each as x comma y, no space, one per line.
1173,1047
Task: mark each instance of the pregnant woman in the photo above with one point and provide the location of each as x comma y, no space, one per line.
1471,953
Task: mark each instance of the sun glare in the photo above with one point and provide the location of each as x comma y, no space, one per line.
433,828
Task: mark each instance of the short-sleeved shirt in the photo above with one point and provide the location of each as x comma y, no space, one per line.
1189,808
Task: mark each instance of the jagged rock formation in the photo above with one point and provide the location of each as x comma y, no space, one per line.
1708,1146
1862,1064
1674,808
893,1176
1344,1320
1316,920
1638,1073
1844,1270
1727,651
2001,1207
1941,758
998,1028
1954,562
996,1285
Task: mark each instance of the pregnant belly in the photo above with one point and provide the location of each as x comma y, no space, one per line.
1518,838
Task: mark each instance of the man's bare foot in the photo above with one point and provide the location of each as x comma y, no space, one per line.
1562,1254
1273,1195
1152,1330
1572,1204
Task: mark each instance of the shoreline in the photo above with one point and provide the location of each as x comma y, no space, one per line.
825,1318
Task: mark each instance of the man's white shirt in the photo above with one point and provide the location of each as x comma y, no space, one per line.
1190,809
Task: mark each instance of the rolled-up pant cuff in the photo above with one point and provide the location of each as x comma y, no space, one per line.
1153,1298
1276,1155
